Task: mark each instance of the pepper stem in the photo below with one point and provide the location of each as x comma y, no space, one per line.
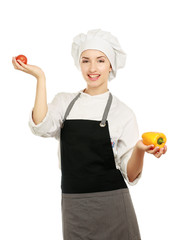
160,141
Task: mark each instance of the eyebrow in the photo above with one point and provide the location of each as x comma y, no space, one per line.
97,57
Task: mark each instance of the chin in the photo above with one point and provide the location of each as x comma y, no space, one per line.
93,84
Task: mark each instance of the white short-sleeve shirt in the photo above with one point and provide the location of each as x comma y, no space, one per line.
123,126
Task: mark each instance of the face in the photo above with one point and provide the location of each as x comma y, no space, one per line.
95,67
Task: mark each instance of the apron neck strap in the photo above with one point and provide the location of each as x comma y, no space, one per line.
70,107
106,111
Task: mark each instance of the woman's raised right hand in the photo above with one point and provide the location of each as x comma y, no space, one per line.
30,69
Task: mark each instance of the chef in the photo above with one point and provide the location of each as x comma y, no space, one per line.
99,148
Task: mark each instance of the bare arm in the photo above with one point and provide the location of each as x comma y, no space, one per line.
135,163
40,105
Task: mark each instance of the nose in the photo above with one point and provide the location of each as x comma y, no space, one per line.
92,67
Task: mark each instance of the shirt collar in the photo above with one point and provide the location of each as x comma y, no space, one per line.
98,96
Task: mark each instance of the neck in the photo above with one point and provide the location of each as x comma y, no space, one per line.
95,91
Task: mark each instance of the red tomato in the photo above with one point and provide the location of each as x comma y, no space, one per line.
22,58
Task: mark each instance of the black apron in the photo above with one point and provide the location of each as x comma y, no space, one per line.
96,203
87,159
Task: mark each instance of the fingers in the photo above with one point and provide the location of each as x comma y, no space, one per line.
150,148
165,149
157,152
154,150
16,65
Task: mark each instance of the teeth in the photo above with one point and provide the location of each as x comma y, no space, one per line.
94,76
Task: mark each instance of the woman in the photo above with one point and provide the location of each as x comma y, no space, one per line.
99,145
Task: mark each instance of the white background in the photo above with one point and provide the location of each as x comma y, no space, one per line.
148,31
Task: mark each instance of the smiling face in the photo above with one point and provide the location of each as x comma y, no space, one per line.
95,68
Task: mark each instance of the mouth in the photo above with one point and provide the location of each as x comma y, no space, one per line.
93,77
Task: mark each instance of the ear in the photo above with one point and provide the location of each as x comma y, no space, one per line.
110,68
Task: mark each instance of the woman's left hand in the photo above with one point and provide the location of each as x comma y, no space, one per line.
156,151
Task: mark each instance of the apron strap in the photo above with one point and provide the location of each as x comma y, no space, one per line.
106,111
69,108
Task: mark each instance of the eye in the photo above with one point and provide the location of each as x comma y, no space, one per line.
101,61
84,61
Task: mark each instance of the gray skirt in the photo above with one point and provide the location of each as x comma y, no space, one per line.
105,215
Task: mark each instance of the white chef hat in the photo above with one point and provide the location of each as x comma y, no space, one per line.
102,41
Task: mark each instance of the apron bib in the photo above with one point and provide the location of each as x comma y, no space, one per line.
87,159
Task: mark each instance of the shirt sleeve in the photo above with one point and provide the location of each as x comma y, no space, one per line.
125,146
50,126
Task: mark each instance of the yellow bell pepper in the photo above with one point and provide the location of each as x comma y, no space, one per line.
155,138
